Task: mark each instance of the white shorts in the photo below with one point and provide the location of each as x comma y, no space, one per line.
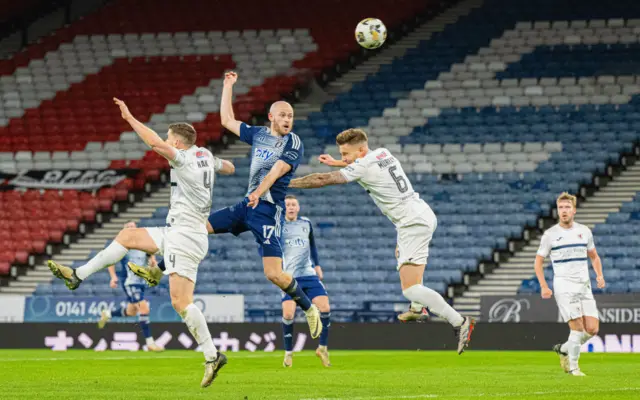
183,249
413,242
575,300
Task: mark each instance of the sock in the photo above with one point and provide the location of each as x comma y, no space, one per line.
585,338
295,291
436,303
143,320
573,348
161,265
287,333
109,256
416,307
197,325
119,312
325,317
150,341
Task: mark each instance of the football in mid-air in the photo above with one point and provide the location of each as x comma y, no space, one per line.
371,33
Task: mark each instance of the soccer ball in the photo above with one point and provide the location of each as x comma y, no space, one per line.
371,33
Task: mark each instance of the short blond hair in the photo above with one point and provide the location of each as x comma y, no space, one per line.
352,136
564,196
186,132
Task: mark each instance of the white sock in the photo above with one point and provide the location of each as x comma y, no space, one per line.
585,338
109,256
573,348
288,353
150,341
416,307
197,325
434,302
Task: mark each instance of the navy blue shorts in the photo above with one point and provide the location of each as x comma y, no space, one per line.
134,293
265,222
311,286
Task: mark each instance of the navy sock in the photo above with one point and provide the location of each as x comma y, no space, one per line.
119,312
297,294
161,264
143,319
287,333
325,317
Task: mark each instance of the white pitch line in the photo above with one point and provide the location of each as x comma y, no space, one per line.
458,395
231,355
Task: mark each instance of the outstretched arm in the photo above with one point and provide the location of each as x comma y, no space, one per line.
278,170
328,159
226,104
227,167
148,135
318,180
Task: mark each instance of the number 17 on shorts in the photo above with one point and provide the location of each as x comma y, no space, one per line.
267,232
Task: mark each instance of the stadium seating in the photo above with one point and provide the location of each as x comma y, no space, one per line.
166,61
493,117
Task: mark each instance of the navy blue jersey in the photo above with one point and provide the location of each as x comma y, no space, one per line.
266,150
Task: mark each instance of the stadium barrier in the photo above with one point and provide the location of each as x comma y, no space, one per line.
259,337
75,179
216,308
613,308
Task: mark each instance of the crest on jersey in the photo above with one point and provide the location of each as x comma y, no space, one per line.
200,154
305,230
580,235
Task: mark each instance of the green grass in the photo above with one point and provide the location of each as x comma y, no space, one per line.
87,375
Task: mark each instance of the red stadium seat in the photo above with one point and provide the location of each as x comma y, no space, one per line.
5,267
22,257
39,246
7,256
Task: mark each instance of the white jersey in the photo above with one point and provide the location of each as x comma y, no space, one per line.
192,177
567,249
381,174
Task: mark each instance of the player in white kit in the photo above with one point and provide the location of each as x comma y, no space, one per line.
183,241
382,176
569,245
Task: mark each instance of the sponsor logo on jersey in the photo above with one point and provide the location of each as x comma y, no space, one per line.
295,242
200,154
381,155
292,155
263,154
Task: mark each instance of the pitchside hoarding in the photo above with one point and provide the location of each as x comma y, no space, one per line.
613,308
259,337
216,308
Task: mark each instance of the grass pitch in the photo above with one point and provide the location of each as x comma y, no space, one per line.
355,375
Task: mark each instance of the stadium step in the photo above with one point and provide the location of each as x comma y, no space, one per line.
18,290
497,280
